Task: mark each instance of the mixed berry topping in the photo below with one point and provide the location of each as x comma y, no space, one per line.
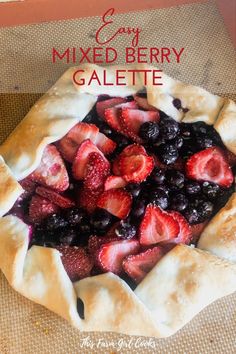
124,186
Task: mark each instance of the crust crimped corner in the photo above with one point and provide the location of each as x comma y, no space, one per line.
174,291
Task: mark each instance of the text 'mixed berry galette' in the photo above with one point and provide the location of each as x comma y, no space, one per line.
124,206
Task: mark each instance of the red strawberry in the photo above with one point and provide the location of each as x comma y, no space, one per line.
113,182
113,116
28,186
111,255
101,106
130,150
95,242
97,170
40,208
52,171
115,201
137,266
69,144
143,103
132,119
54,197
106,145
197,230
157,225
210,165
136,168
88,198
81,160
185,232
77,263
231,158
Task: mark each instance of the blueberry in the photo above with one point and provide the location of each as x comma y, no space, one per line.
55,221
134,189
125,230
192,187
205,210
74,216
169,128
149,132
177,103
192,215
178,142
204,142
101,220
142,93
84,228
168,153
199,128
67,236
185,129
157,175
159,197
121,140
179,202
175,179
138,209
211,190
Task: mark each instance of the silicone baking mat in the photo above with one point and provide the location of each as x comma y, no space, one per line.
26,72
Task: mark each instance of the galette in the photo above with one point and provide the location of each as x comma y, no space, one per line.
118,205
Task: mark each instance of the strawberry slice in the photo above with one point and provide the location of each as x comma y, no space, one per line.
185,232
106,145
197,230
115,201
130,150
231,158
77,263
29,188
97,170
137,266
88,198
113,116
95,242
113,182
136,168
81,160
101,106
54,197
52,171
157,226
132,119
40,208
210,165
143,103
69,144
111,255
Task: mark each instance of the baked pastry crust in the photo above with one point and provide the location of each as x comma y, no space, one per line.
186,279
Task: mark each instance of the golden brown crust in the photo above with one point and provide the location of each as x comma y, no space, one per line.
156,307
226,125
219,236
183,283
10,190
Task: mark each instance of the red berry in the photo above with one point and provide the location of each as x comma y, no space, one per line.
130,150
40,208
113,182
137,266
101,106
116,201
143,103
210,165
52,171
111,255
136,168
185,232
157,226
54,197
76,261
113,117
97,170
80,162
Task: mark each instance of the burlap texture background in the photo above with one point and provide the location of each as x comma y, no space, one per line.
26,71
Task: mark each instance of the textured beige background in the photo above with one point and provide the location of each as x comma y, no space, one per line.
27,328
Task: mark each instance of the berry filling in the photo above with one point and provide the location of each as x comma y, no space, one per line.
124,186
